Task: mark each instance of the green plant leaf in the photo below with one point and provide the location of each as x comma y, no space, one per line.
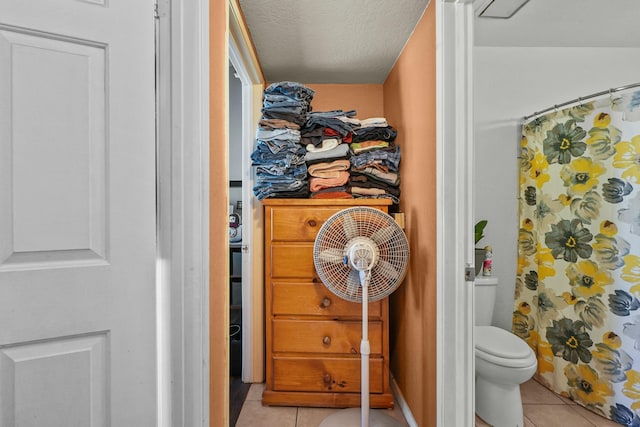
479,230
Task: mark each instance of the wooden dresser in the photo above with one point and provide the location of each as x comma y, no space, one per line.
313,336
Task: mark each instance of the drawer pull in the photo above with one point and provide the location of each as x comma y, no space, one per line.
312,223
327,378
326,340
326,302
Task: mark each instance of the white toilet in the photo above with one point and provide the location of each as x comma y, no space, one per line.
503,362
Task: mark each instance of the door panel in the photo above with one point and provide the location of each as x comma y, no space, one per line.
77,214
29,372
55,196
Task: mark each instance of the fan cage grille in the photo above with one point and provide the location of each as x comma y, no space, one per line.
332,241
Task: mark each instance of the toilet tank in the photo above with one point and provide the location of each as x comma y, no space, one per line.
484,299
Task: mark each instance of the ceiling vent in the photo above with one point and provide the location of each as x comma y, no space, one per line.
498,8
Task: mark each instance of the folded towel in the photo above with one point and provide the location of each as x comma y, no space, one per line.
317,184
329,170
332,193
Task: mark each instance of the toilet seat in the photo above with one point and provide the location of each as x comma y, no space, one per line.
500,347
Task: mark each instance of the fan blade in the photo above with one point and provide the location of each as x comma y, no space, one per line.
383,235
332,256
350,227
386,269
353,284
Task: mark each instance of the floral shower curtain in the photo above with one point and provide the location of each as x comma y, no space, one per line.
577,301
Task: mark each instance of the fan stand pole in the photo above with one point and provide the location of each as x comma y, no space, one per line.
349,417
365,351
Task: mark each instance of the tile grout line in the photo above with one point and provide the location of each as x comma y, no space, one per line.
588,422
585,418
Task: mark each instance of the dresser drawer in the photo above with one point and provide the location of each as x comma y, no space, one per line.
324,374
298,224
314,299
291,260
323,336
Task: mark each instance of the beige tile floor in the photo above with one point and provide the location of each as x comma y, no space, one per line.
254,414
543,408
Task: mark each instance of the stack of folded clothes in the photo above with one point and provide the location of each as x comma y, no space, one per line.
289,101
326,136
329,179
279,157
375,161
332,126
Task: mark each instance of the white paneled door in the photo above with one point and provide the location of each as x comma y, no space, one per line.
77,214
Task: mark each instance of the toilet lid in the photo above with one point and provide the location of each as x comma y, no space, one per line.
497,342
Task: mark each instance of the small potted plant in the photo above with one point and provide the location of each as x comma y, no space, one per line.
479,252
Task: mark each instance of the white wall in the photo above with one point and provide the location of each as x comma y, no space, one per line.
235,126
509,83
235,135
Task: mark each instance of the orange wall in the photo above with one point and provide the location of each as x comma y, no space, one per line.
410,106
366,99
218,222
407,100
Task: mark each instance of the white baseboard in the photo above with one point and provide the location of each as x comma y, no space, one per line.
404,406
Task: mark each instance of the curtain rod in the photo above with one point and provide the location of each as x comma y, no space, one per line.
579,99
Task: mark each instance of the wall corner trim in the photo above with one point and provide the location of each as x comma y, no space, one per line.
402,403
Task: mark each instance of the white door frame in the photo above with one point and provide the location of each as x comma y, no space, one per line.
250,310
247,67
455,347
185,376
183,213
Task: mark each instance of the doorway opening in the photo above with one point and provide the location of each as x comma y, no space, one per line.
245,85
237,389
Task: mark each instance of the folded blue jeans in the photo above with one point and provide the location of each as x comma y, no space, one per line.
389,158
292,89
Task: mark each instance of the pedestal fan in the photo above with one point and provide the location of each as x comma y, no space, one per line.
361,255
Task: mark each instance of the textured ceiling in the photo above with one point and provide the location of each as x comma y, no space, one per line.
330,41
358,41
565,23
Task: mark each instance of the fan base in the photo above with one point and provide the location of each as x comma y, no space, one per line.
351,418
